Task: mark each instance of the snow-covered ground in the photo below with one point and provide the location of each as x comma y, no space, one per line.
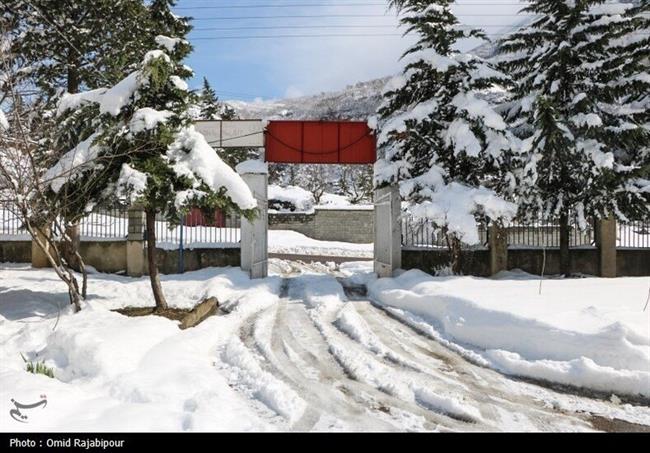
590,332
303,200
301,350
294,243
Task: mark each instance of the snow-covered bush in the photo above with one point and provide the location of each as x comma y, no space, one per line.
291,199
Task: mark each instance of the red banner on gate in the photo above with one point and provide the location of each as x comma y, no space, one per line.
320,142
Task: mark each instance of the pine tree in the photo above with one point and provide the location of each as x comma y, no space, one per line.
583,147
212,109
209,102
145,149
439,139
73,44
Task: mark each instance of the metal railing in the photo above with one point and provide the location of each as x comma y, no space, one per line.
197,232
105,224
10,224
418,233
534,234
634,234
422,233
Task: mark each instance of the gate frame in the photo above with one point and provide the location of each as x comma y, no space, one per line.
387,246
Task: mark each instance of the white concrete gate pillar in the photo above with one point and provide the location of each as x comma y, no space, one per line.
254,234
388,232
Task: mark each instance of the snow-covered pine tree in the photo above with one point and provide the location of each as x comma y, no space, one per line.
439,139
577,82
75,45
145,149
630,49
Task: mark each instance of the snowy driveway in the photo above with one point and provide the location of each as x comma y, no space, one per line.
304,350
326,358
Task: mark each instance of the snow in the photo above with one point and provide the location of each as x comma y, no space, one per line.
587,332
454,205
301,199
73,163
131,182
438,62
133,372
252,166
460,136
308,361
179,83
4,124
479,109
74,101
192,155
146,118
269,389
292,242
167,42
589,120
397,123
112,100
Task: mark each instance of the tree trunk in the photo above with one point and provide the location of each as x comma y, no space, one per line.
565,260
154,277
70,247
49,248
455,254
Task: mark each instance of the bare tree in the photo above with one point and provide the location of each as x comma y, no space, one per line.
22,190
356,182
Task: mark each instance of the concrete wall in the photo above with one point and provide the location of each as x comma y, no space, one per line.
344,225
110,256
15,251
105,256
583,261
630,262
475,262
195,259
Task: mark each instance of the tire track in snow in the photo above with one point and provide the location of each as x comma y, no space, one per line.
357,367
506,399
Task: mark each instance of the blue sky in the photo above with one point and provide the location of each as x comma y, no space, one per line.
278,67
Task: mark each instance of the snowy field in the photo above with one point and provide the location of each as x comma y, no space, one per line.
305,350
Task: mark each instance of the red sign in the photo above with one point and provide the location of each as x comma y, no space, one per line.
196,218
320,142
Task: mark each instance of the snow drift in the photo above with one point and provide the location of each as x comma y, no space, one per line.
557,338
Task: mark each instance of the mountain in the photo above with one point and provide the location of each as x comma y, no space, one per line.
355,102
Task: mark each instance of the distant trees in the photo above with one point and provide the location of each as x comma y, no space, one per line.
210,108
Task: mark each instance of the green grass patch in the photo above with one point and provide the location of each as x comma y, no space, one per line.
38,367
